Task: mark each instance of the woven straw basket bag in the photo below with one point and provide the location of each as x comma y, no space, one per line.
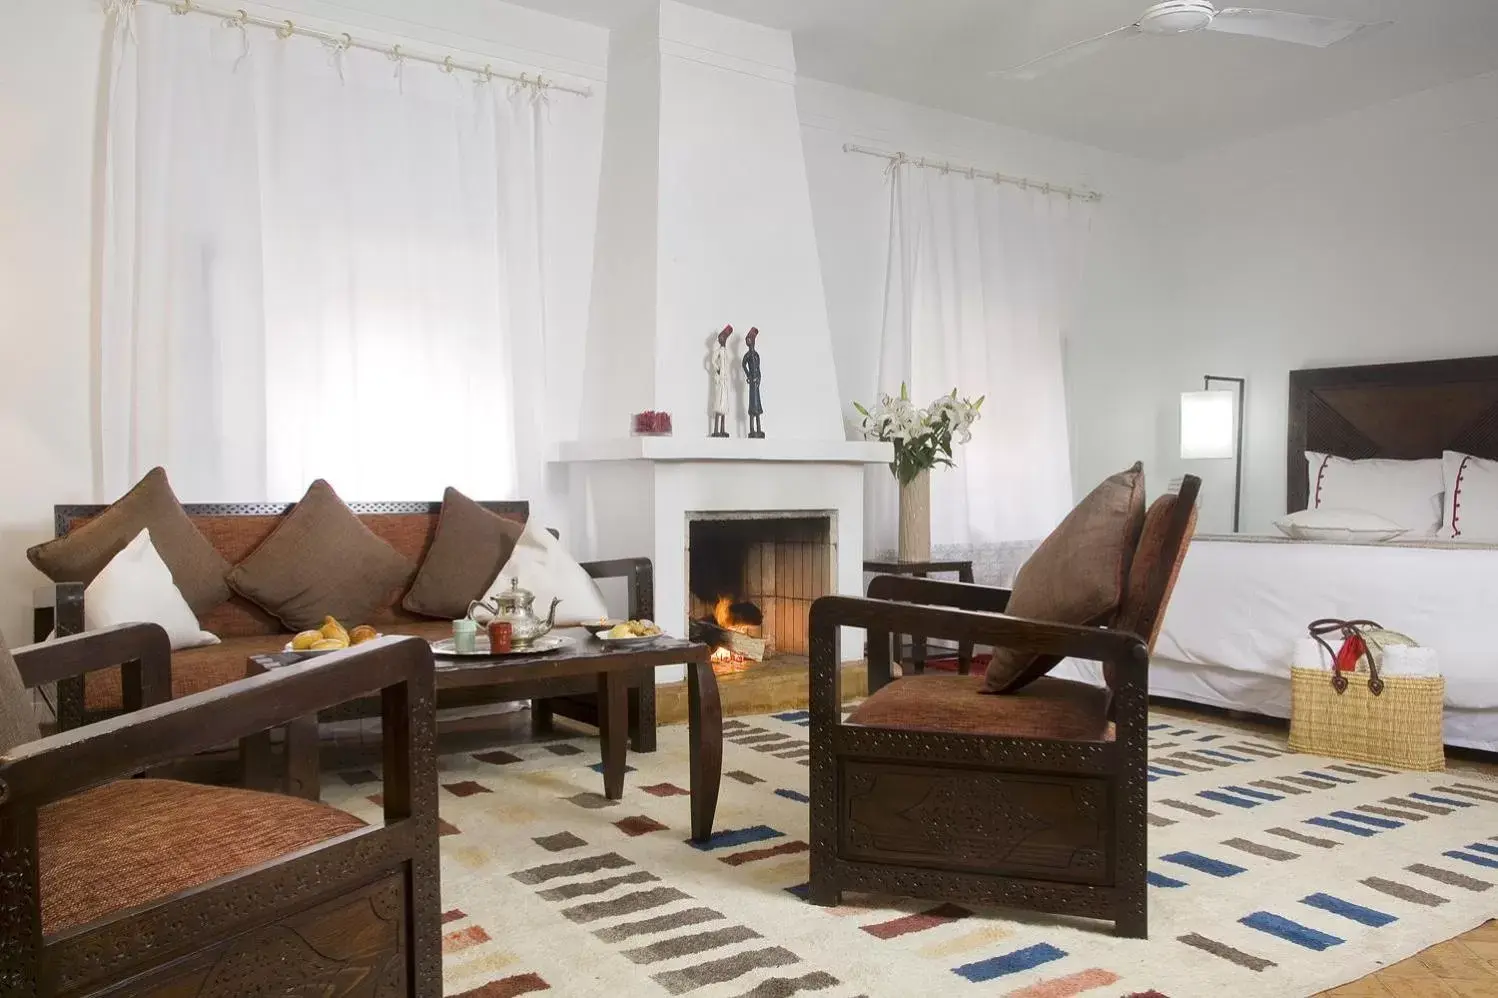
1388,720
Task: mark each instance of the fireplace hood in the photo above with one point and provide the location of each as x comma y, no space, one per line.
705,220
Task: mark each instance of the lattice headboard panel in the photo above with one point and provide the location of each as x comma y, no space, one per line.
1404,411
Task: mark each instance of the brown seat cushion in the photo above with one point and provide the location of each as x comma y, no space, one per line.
1046,708
471,546
135,841
321,561
193,670
1077,575
198,570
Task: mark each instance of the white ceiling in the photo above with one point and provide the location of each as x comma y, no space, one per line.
1152,97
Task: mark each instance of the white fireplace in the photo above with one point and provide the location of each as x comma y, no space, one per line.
705,219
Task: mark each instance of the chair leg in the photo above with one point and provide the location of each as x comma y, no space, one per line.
1132,921
823,889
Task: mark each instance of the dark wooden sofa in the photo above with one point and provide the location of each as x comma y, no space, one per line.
235,530
117,886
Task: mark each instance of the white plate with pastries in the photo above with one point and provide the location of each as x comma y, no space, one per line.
628,633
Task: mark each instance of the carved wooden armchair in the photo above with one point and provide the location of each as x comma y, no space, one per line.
120,886
1034,799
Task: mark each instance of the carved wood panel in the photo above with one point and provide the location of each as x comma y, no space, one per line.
350,947
1055,827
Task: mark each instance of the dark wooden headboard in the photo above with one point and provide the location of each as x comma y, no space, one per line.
1402,411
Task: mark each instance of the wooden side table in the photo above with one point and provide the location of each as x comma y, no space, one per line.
921,570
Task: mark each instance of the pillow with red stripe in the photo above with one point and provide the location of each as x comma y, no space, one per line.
1406,492
1471,498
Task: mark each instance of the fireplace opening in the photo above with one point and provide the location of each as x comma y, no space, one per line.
752,578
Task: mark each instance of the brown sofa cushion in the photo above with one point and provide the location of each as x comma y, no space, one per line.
472,545
17,718
1046,708
135,841
197,569
193,670
1077,575
321,561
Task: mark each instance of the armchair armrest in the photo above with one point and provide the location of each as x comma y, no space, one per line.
639,577
142,651
54,767
939,592
1125,651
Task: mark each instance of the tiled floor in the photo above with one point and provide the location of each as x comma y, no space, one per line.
1465,967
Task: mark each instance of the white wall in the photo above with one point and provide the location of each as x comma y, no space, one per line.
851,201
1368,238
49,80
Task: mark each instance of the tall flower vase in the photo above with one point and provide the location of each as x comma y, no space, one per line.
915,519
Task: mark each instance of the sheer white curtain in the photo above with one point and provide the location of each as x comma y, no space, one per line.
979,289
316,264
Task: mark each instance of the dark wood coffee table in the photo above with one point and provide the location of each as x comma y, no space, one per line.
586,656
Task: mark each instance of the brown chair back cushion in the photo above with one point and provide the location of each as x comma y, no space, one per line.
1077,575
17,718
1143,610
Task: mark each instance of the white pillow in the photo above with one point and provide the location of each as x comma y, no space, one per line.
1471,498
1406,492
545,568
136,587
1338,525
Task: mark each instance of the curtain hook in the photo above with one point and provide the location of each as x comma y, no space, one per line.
286,30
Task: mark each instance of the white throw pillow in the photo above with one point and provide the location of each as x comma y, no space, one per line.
1471,498
545,568
1338,525
1409,493
136,587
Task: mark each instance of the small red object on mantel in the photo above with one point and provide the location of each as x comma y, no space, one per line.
501,637
652,424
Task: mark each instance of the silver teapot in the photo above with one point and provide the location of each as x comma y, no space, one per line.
514,605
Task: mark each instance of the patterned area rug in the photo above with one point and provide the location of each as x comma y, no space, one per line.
1271,874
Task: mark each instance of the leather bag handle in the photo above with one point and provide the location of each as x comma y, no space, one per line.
1349,629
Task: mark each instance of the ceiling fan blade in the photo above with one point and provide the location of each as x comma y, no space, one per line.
1066,56
1301,29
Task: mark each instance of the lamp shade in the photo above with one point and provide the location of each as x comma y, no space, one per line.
1207,425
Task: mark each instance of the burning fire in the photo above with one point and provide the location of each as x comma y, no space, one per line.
726,660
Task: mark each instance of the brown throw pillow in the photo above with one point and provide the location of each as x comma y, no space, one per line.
197,569
321,561
1077,575
471,546
17,718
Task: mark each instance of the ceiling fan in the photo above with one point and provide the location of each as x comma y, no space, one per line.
1181,17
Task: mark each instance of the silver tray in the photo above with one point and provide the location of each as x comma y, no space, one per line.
540,646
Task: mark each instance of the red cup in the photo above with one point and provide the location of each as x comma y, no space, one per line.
501,636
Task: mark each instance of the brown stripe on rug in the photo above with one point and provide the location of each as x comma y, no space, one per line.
1255,849
660,923
701,942
1190,808
1278,787
571,868
569,891
679,982
509,987
784,987
1309,840
1449,877
626,905
1242,959
1392,812
752,855
1404,892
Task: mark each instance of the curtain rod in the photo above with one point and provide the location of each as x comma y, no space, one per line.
898,159
239,17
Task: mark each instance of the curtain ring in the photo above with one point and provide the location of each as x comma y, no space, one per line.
487,76
394,55
447,65
286,30
182,7
243,17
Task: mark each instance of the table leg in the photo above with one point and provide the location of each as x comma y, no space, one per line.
705,719
542,716
256,763
613,729
303,771
965,648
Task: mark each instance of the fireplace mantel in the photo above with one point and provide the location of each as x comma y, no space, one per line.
685,449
